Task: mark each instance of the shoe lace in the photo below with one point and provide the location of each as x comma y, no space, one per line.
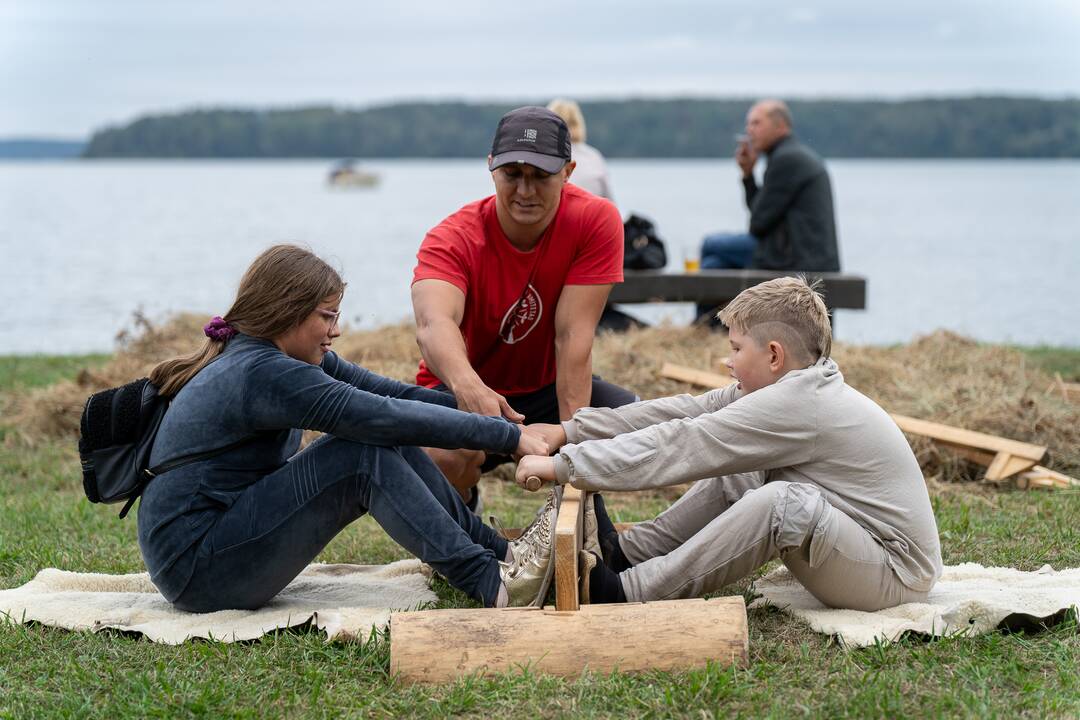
529,542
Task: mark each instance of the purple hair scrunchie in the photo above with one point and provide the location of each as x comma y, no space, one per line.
218,329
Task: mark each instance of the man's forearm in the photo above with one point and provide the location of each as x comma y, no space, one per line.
573,380
443,349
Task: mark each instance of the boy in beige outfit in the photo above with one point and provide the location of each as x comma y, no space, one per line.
790,462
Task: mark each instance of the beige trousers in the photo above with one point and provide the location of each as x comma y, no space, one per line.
725,528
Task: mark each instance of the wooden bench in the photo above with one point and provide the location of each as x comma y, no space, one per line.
720,286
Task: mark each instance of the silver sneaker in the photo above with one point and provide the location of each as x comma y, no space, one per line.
529,574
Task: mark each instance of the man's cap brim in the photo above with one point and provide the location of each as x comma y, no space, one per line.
547,163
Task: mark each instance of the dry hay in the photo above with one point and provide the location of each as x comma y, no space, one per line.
941,377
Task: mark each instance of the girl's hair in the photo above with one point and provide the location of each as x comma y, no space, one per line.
278,292
570,112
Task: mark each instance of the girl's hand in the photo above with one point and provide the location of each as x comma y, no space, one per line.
542,467
554,435
531,442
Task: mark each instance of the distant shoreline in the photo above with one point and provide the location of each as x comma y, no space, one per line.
939,128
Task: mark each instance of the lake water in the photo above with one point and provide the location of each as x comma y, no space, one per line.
989,249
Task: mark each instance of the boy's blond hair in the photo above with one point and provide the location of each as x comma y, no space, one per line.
787,310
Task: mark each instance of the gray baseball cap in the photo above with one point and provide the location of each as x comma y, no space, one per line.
532,135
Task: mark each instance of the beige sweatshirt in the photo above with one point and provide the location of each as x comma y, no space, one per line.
808,427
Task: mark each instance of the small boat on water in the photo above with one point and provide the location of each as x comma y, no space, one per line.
346,174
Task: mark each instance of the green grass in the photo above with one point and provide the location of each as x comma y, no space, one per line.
1055,360
19,372
45,672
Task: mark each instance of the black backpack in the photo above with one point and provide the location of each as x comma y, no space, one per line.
116,437
642,247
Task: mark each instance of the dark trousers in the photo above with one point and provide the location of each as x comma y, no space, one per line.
281,522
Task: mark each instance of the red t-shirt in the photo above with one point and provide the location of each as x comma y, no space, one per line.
582,246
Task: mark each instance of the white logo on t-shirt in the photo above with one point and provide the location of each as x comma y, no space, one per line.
522,317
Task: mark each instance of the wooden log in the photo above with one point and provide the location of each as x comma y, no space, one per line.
693,376
443,645
568,535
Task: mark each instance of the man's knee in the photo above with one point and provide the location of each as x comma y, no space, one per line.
609,395
461,467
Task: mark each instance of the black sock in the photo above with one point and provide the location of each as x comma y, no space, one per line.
608,536
605,586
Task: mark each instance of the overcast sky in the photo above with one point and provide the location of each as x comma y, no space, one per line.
68,67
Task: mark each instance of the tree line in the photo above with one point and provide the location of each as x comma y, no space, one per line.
975,127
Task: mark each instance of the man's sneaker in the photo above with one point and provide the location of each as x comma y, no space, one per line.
590,540
529,574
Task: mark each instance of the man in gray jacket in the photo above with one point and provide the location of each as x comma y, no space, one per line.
790,462
792,226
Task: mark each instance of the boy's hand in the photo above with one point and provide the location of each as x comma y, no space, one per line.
535,466
553,434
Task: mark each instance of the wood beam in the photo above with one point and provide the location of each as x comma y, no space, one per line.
568,535
669,635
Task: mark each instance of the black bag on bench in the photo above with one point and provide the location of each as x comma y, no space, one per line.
642,247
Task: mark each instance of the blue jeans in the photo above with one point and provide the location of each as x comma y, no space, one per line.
722,251
282,521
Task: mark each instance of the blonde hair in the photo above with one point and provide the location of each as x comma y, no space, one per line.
786,309
569,111
277,292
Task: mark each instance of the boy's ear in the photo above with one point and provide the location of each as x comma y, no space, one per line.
777,356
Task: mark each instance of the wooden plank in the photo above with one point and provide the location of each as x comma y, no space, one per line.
568,535
976,456
695,376
515,533
1069,391
1005,465
977,440
670,635
1002,456
719,286
1045,478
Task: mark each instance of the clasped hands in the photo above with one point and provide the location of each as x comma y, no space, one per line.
537,442
536,461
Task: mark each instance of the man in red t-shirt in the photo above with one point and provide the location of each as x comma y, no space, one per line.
507,291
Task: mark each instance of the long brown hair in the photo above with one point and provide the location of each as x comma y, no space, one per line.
279,290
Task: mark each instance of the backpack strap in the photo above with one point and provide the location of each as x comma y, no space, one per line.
151,473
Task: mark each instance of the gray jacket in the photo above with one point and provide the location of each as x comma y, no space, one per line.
791,214
808,427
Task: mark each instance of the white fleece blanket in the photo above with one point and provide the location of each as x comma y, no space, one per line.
344,601
968,599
